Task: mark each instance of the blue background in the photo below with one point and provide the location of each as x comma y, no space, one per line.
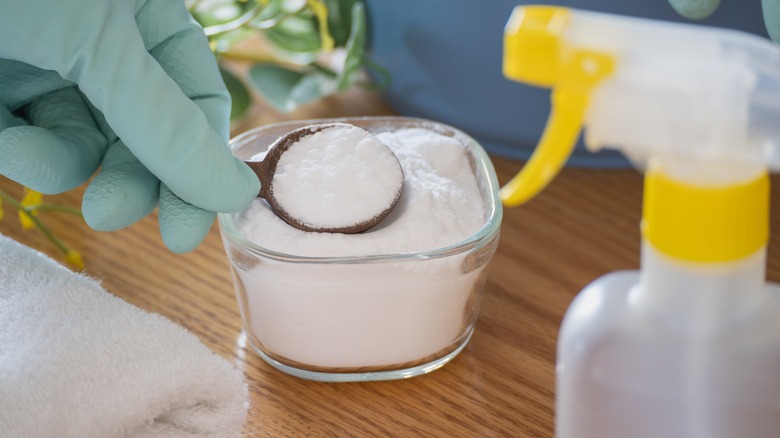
445,58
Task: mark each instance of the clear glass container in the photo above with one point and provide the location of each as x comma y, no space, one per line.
377,317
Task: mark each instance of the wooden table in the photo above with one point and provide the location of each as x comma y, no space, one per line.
584,225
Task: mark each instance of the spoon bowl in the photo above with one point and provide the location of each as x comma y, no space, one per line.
330,178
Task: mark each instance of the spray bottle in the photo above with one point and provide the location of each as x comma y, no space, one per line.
689,346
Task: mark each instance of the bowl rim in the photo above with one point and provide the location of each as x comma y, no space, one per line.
479,239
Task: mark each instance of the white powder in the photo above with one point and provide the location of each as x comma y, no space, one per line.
337,177
372,314
441,205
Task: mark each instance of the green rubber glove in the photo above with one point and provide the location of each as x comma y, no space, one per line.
129,86
699,9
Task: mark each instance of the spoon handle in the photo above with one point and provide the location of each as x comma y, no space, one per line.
261,170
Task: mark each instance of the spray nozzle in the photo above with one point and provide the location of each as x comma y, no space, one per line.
685,95
698,107
535,53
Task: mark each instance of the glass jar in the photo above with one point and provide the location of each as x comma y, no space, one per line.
377,317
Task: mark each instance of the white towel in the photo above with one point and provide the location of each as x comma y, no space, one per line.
76,361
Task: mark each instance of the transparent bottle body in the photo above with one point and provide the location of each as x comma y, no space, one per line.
675,351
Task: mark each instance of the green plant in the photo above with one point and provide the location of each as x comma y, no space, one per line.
317,48
29,207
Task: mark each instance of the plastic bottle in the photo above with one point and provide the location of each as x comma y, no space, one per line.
689,346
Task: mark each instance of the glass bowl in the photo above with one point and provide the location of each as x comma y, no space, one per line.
377,317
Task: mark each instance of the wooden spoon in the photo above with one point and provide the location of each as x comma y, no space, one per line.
330,178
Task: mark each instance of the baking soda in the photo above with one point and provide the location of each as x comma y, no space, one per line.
441,205
337,177
389,311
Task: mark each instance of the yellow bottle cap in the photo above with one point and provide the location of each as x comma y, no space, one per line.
705,223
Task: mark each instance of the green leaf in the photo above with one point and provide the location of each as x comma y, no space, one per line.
356,47
295,34
271,10
218,12
383,74
224,41
285,89
240,98
340,19
308,89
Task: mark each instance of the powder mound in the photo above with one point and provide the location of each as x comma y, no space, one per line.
441,205
333,177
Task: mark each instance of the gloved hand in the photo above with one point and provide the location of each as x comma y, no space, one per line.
699,9
128,85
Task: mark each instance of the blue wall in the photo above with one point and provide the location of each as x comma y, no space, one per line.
445,58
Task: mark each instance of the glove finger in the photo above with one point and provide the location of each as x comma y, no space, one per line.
21,83
179,45
695,9
175,142
183,226
771,10
61,151
122,193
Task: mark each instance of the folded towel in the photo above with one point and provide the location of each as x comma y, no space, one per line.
76,361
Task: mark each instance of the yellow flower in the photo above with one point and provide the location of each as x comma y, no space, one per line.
321,12
74,259
31,199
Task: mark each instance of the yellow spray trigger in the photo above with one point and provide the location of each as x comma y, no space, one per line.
534,53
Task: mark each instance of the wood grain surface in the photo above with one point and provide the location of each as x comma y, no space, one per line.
583,226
